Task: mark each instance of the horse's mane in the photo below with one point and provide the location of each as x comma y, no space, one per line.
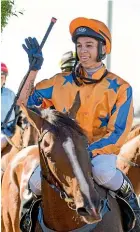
61,121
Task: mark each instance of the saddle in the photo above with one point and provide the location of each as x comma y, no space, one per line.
127,212
29,213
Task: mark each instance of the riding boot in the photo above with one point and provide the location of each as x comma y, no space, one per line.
126,191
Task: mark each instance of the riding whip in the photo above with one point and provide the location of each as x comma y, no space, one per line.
53,21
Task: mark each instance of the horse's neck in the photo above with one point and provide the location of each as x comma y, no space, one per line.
57,214
12,148
17,135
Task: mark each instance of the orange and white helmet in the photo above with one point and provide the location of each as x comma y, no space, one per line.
84,27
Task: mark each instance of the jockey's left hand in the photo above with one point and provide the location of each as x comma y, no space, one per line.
31,49
122,165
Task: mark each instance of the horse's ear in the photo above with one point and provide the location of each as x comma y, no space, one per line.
33,117
75,107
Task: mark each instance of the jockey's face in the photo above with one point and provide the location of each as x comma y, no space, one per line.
87,50
3,79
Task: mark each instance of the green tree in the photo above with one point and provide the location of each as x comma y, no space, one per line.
7,10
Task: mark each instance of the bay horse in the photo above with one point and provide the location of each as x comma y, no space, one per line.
71,201
129,158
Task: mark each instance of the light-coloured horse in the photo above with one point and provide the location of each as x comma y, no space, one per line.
25,135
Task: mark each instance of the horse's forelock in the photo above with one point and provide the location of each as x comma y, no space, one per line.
44,113
60,120
48,115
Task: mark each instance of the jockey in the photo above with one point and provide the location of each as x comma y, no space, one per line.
67,61
106,111
7,99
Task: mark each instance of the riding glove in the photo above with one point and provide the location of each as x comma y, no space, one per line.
31,49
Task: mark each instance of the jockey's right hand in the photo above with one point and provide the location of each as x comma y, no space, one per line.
31,46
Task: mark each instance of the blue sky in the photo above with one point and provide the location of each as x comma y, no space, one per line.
36,18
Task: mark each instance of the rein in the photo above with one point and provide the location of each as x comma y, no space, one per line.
12,143
132,164
47,172
20,147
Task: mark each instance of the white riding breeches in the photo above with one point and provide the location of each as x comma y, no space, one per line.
35,181
104,171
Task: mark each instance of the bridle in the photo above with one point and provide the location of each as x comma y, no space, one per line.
46,173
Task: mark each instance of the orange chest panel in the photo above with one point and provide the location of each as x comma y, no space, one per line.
97,102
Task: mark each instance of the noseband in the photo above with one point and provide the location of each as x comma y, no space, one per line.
47,172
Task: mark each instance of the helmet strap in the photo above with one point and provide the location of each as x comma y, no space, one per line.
101,55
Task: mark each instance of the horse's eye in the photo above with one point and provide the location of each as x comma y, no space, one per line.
44,144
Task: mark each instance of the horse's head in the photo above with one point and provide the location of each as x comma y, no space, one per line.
65,162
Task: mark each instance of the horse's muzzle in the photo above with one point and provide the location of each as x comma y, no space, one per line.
88,211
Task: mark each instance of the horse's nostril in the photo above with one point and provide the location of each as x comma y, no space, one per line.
82,211
86,211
